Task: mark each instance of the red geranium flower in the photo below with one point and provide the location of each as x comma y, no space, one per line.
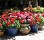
0,24
4,14
3,17
43,14
22,21
30,14
32,19
4,20
34,23
38,19
22,12
8,17
12,19
13,14
17,13
12,22
8,23
36,15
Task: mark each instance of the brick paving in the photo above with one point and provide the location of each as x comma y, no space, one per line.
31,36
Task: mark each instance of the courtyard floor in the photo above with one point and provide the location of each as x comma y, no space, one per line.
31,36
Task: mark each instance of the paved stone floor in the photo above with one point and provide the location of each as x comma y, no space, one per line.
31,36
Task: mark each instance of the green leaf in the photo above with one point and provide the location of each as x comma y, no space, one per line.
17,23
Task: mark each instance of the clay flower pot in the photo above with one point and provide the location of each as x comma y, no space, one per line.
34,28
1,33
40,27
24,30
12,31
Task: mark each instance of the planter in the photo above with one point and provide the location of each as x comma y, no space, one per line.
1,33
11,31
34,28
40,27
24,25
24,30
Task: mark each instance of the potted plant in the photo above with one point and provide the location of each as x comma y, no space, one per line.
1,30
12,27
34,28
41,23
39,20
33,24
25,30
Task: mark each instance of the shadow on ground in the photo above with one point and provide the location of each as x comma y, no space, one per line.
11,37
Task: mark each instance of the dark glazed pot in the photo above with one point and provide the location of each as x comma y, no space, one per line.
34,28
12,31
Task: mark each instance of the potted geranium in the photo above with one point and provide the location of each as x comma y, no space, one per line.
33,24
34,27
25,27
12,27
41,23
1,30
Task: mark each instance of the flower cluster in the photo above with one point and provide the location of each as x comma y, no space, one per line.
8,18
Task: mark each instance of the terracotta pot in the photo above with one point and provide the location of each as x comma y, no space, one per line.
1,33
25,30
40,27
